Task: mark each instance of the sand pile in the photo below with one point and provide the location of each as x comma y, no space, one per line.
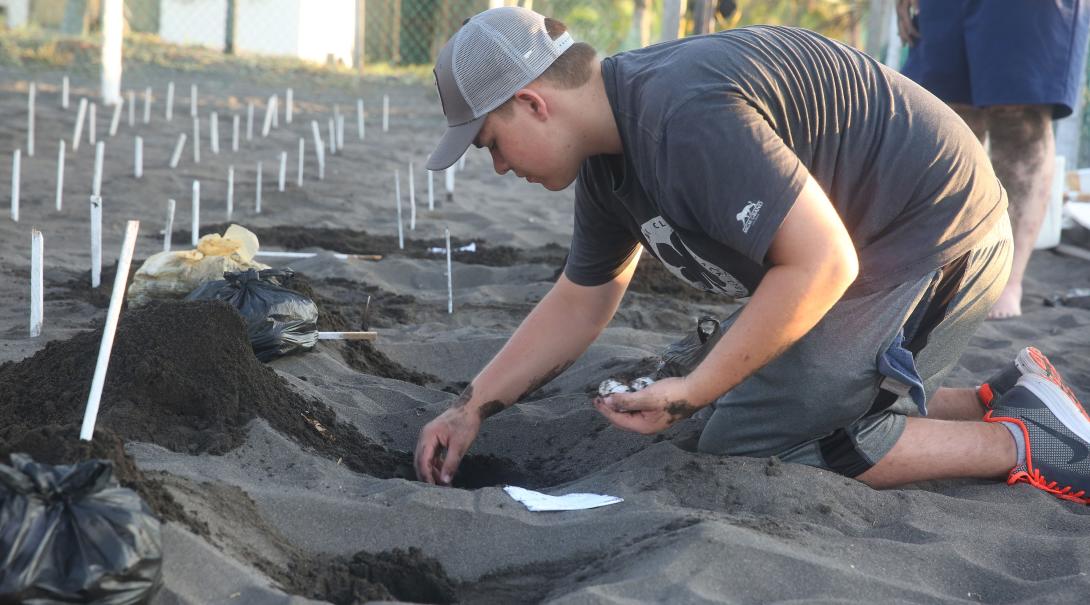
181,375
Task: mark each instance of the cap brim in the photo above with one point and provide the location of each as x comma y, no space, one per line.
454,143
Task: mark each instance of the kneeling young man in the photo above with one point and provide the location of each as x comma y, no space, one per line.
857,212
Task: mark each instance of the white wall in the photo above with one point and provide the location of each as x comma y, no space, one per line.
307,29
327,26
201,22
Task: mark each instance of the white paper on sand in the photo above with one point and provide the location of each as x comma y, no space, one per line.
539,502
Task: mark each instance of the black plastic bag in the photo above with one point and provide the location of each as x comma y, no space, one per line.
279,321
70,534
683,356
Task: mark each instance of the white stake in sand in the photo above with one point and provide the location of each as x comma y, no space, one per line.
138,157
234,132
91,121
90,415
60,175
170,102
96,181
214,132
283,170
450,182
31,97
132,109
289,105
332,138
115,121
340,132
16,160
147,105
275,103
250,121
77,134
319,149
431,191
178,147
257,192
37,289
170,225
397,194
412,200
302,157
230,192
360,128
196,140
64,92
450,277
196,213
270,109
192,100
96,241
385,113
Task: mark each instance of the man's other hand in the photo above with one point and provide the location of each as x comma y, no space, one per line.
906,24
651,410
443,442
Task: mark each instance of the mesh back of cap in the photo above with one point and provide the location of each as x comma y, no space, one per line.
500,51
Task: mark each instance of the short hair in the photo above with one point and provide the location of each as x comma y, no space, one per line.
571,69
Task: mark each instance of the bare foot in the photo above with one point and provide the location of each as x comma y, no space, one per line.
1009,303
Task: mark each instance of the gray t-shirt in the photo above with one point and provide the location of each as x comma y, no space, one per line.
719,133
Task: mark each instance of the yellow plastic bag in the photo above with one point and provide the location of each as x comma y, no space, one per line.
176,273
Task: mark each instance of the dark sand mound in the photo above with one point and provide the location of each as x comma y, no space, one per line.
181,375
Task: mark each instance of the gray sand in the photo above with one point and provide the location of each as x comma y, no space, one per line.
692,528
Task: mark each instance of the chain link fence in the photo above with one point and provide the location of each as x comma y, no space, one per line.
393,32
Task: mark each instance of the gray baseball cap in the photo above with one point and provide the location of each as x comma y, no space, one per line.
484,64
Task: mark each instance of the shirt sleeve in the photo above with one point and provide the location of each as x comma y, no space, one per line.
601,246
723,170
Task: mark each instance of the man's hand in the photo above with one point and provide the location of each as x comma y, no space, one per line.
443,442
651,410
906,27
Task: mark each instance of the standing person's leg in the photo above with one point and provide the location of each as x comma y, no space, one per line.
1023,155
1026,59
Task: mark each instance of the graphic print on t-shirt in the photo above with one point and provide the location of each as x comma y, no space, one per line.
668,247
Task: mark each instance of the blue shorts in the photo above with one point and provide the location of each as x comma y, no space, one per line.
1001,52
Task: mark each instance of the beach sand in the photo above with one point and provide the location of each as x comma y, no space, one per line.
273,511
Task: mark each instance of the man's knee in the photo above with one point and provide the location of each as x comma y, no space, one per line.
1019,126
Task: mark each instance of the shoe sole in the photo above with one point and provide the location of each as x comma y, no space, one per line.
1032,361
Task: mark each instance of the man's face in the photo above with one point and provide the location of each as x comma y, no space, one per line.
532,147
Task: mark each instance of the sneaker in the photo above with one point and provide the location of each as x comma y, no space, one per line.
1056,431
1029,360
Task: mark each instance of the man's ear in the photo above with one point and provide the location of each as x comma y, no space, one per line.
533,101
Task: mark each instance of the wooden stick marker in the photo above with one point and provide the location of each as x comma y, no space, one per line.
178,147
138,157
77,134
400,227
60,175
90,415
37,289
16,161
171,205
96,241
196,214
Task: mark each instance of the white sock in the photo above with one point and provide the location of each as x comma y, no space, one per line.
1019,441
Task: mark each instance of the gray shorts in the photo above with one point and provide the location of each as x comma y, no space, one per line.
822,403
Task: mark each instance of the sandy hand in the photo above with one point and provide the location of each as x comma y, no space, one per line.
443,442
650,410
